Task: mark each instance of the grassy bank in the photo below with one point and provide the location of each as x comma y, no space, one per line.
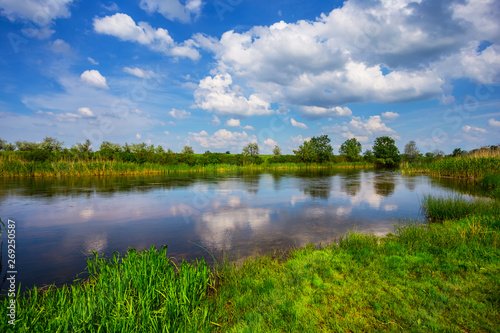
16,165
457,167
442,276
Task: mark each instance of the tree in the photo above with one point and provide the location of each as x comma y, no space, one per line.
26,146
458,152
277,151
305,152
350,149
411,151
187,150
251,149
84,147
318,149
2,144
368,155
106,145
159,149
385,151
438,153
51,144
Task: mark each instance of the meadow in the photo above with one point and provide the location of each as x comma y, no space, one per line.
442,274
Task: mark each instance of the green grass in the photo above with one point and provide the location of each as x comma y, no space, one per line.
457,167
12,166
424,277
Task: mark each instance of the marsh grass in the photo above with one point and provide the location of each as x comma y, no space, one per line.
457,167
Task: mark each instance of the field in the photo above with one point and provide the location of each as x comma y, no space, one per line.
443,276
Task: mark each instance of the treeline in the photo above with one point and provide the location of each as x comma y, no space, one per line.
316,150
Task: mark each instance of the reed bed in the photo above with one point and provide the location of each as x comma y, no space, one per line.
12,167
457,167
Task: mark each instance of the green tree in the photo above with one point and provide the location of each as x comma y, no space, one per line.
277,151
159,149
305,152
350,149
368,156
2,144
438,153
106,145
411,151
385,151
84,147
458,152
251,150
321,147
27,146
187,150
51,144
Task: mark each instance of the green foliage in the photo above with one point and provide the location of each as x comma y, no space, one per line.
368,156
317,150
411,151
459,167
84,147
110,147
251,150
351,149
386,152
277,151
187,150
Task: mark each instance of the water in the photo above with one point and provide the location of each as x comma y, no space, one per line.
60,220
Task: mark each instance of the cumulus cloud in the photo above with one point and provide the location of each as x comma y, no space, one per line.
223,139
494,123
270,142
389,115
61,47
362,129
141,73
86,112
316,111
379,51
233,123
94,78
218,94
180,114
173,9
297,124
472,129
124,27
39,12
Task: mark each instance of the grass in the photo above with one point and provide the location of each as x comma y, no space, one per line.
12,166
457,167
424,277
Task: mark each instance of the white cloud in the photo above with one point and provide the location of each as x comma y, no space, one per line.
297,124
166,132
138,136
86,112
316,111
233,123
494,123
283,110
215,120
270,142
381,51
173,9
60,46
124,27
92,61
40,12
94,78
141,73
298,140
249,128
362,129
223,139
180,114
219,95
472,129
389,115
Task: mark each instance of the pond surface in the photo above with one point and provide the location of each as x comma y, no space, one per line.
60,220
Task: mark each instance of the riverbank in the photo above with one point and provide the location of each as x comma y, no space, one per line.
455,167
14,166
439,276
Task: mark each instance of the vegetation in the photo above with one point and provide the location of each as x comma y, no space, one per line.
412,153
351,149
425,277
316,150
386,152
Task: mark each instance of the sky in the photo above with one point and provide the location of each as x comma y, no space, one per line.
219,74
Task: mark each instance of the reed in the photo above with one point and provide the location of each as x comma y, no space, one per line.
458,167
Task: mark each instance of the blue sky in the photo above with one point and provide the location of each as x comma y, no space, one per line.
217,75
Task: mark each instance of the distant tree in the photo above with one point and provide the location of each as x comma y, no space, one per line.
2,144
385,151
9,147
458,152
27,146
228,152
438,153
411,151
106,145
187,150
277,151
83,147
170,151
305,152
350,149
251,149
321,147
429,154
51,144
159,149
368,155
